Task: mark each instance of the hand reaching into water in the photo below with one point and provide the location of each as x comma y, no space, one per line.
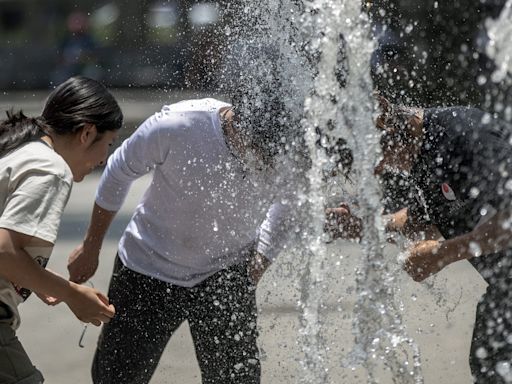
341,223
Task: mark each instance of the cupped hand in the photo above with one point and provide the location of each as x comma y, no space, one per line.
341,223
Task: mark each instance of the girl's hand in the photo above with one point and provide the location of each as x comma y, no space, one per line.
89,305
49,300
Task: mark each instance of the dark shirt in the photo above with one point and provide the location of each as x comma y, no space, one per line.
463,171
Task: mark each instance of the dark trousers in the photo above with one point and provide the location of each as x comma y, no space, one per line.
221,312
491,347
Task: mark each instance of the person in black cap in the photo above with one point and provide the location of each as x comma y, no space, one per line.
458,166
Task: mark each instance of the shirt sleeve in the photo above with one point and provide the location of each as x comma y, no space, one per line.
275,230
138,155
35,207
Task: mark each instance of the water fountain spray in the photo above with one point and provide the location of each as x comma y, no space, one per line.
306,37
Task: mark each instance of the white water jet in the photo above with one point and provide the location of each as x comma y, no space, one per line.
378,329
317,114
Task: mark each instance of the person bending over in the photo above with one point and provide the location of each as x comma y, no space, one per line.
457,164
39,160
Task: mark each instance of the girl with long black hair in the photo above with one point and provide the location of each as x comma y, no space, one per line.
39,160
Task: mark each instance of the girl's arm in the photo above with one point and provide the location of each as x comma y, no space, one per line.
88,304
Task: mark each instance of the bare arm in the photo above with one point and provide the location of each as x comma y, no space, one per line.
88,304
490,237
429,257
84,259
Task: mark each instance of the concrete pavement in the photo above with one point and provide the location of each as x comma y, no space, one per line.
439,314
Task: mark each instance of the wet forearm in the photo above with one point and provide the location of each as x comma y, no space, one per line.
490,237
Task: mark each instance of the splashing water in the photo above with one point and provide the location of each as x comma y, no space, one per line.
378,328
306,37
499,47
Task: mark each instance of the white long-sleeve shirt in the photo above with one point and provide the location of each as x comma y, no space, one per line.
201,209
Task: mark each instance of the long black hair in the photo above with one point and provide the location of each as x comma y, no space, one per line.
74,103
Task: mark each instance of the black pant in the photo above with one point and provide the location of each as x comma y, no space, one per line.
221,312
491,347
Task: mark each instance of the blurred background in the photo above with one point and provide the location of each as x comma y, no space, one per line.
429,52
152,53
166,44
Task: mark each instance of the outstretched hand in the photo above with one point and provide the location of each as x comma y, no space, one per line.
340,223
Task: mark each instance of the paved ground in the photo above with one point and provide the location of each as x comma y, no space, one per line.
439,315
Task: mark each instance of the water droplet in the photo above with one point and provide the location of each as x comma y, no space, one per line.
474,249
486,118
503,369
481,80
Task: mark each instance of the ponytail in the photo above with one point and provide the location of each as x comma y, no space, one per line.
18,129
